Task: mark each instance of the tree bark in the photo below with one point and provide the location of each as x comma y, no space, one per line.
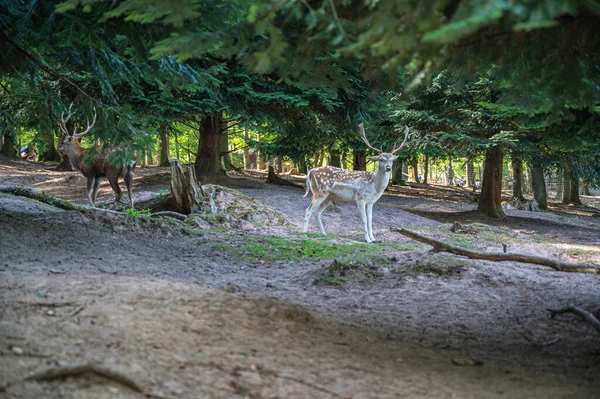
575,190
8,146
226,157
208,162
566,198
470,173
517,165
397,173
529,182
246,150
303,166
450,172
165,150
415,169
559,186
149,158
539,185
491,189
335,159
425,169
185,190
50,153
359,161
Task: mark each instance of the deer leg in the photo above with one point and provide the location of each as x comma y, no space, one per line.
97,182
316,202
128,178
370,221
114,184
90,188
361,205
319,211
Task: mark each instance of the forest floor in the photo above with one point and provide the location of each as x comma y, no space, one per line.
268,312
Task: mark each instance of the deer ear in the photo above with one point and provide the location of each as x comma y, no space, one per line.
375,158
394,157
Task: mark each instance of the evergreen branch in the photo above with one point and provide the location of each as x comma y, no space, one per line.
233,125
46,68
54,72
234,150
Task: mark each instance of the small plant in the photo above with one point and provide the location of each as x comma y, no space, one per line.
138,213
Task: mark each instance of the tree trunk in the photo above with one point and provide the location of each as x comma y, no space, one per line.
318,160
425,169
470,173
404,176
208,162
528,182
397,173
566,199
8,146
450,172
50,153
415,169
359,161
164,145
575,190
335,159
491,190
559,186
149,158
517,165
246,150
226,157
303,166
539,186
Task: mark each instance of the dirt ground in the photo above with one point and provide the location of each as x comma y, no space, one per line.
183,318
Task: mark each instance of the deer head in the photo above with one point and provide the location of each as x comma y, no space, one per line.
385,159
70,142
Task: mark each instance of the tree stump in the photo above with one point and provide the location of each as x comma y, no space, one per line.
185,190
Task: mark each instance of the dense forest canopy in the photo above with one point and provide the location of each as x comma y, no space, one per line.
476,80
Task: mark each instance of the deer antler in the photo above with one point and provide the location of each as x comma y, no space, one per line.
364,138
395,150
89,127
63,121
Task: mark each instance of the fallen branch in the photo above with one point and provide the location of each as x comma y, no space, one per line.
70,370
587,316
38,196
170,214
501,257
53,304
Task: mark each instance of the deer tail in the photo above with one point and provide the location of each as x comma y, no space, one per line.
307,184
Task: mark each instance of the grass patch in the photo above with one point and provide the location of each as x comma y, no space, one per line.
274,248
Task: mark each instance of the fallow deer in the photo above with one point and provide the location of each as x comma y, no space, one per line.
98,167
329,183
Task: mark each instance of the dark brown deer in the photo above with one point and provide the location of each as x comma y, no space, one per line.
98,167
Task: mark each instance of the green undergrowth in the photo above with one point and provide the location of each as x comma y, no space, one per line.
480,235
268,248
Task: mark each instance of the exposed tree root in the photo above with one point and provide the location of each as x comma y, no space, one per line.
274,179
501,257
38,196
170,214
587,316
